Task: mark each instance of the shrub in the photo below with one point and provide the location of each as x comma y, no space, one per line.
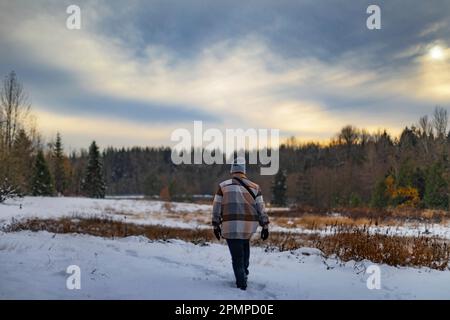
7,191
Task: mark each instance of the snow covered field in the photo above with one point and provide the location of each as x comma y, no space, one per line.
131,210
33,265
175,214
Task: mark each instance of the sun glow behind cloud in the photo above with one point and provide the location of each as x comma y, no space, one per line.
437,53
434,74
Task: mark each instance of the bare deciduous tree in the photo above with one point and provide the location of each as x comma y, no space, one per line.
426,131
425,126
440,121
349,135
14,109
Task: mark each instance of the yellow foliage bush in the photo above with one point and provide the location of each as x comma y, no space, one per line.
405,196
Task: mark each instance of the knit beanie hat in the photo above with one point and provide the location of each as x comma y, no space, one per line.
238,165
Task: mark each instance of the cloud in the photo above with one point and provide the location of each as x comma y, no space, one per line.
300,68
80,131
433,75
434,27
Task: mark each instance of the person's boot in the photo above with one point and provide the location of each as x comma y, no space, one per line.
242,286
246,276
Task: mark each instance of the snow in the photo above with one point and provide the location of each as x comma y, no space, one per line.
33,265
131,196
133,210
406,230
174,214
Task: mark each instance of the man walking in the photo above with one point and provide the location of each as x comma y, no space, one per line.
238,208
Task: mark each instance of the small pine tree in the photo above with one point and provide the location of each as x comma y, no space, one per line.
354,200
22,157
418,181
279,189
436,194
94,182
42,181
58,165
152,185
380,196
405,175
7,191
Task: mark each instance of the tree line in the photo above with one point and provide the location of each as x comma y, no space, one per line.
355,168
28,167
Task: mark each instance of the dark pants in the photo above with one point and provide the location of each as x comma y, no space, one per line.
240,257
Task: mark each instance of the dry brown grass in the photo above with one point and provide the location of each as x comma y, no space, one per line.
198,217
356,217
346,243
317,222
358,244
427,215
111,229
305,217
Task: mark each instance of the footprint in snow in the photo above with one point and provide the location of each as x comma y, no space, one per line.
254,286
131,253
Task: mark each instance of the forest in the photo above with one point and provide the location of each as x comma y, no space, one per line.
355,168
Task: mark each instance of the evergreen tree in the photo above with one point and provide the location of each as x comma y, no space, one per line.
279,189
21,156
42,182
94,183
436,188
380,197
354,200
405,174
7,191
58,165
152,185
408,139
418,181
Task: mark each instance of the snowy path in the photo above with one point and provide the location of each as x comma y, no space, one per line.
32,265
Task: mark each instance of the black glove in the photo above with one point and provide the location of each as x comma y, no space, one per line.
265,233
217,233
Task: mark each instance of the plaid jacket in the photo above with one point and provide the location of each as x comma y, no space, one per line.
236,210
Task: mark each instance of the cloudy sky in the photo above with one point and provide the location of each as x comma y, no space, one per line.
139,69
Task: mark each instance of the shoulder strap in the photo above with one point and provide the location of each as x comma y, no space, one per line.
242,183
